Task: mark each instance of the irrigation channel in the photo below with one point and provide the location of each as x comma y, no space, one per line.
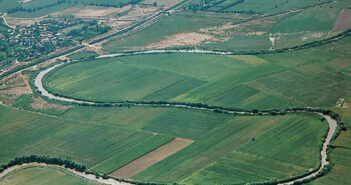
39,85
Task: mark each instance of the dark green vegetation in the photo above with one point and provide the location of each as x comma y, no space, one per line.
42,176
82,55
264,81
67,163
5,59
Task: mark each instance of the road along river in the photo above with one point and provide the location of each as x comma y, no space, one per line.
331,122
89,177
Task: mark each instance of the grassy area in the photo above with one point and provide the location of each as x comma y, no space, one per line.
25,102
231,31
202,162
184,123
42,176
167,26
309,25
117,80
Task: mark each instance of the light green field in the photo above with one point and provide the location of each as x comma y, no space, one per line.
263,81
89,143
184,123
116,80
43,176
216,154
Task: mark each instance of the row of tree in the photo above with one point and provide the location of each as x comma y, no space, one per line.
67,163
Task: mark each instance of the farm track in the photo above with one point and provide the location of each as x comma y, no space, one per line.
331,122
5,21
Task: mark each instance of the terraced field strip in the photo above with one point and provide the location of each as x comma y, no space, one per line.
151,158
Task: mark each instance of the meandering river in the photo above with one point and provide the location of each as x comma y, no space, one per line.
39,85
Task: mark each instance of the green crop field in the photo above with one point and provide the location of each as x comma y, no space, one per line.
263,81
88,143
42,176
231,140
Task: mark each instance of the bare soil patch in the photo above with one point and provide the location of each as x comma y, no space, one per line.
40,103
14,87
182,39
343,22
22,21
151,158
346,105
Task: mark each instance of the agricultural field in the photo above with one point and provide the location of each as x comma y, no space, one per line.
236,135
193,92
35,176
242,29
62,138
39,8
262,81
68,138
251,6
